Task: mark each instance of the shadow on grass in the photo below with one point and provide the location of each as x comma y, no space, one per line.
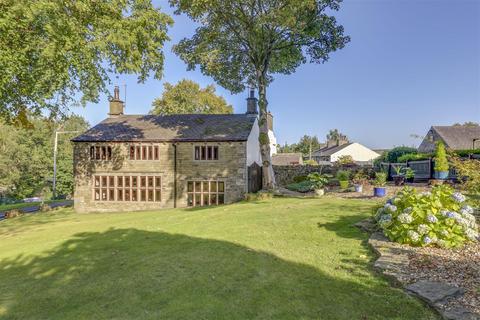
130,273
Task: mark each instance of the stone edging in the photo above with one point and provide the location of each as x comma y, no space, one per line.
393,262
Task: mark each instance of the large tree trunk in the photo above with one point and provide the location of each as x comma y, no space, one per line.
268,174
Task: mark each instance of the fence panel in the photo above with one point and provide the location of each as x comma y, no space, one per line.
422,169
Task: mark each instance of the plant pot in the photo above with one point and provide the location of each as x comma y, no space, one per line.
399,180
343,184
441,175
358,188
410,180
319,192
379,192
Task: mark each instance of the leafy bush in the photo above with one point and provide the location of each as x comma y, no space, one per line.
360,177
414,157
397,152
441,162
343,175
380,179
344,160
317,180
438,218
311,162
466,153
468,171
304,186
298,179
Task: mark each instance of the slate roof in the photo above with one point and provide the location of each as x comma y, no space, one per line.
175,128
329,151
285,159
458,137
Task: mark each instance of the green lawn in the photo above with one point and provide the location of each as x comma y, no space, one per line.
275,259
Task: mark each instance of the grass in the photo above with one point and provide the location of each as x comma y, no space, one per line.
275,259
6,207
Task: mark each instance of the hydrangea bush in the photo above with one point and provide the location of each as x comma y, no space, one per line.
437,218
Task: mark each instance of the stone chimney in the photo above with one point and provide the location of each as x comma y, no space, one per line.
270,121
116,105
252,104
336,142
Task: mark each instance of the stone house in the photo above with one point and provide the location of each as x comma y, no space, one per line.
140,162
453,137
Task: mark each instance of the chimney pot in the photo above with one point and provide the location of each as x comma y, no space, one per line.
116,105
252,103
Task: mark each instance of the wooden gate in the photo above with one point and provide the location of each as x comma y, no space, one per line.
254,178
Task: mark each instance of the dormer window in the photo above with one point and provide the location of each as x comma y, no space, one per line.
205,153
101,153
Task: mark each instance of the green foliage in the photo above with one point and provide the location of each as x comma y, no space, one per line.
50,51
336,135
303,187
188,97
394,154
409,173
304,145
263,138
438,218
343,175
344,160
414,157
311,162
259,196
468,171
380,179
317,180
26,157
441,161
466,153
360,177
299,179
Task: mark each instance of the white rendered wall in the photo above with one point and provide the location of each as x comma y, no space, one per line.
253,146
357,151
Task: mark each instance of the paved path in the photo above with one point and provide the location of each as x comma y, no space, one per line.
33,209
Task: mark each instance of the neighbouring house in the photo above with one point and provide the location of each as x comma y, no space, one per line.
334,149
454,138
287,159
140,162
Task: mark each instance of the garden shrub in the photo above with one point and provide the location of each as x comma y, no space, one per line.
298,179
345,160
304,186
437,218
310,162
414,157
343,175
441,162
393,155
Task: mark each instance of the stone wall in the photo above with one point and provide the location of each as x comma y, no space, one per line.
230,168
284,175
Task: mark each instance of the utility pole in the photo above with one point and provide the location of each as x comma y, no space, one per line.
55,147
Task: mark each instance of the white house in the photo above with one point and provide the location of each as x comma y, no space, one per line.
333,151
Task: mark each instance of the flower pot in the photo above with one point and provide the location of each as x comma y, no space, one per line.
343,184
399,180
410,180
358,188
441,175
319,192
379,191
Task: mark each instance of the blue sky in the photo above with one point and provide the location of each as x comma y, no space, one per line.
410,64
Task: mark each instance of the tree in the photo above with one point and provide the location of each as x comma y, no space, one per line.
52,50
244,43
467,124
308,144
188,97
335,135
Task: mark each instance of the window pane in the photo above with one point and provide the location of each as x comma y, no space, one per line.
206,199
109,153
215,153
143,182
190,186
158,195
197,153
138,154
97,181
104,153
198,186
119,195
150,153
97,194
127,194
104,181
143,194
205,186
203,153
213,199
144,153
127,182
209,153
213,186
221,198
132,153
155,153
134,195
221,186
92,153
120,182
150,182
190,200
104,194
111,181
97,153
158,183
111,194
198,199
150,195
134,182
